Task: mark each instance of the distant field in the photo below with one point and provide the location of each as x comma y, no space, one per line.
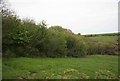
58,68
111,39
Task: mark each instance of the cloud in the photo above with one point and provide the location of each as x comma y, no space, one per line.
84,16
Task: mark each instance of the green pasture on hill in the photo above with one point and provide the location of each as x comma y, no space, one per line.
111,39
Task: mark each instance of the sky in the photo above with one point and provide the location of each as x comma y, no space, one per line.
80,16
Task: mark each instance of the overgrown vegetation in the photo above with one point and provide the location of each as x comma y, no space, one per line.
102,45
26,38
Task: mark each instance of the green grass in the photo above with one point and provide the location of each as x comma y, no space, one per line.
111,39
57,68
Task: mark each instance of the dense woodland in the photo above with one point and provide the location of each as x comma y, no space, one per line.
25,38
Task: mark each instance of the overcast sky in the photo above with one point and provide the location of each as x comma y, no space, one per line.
81,16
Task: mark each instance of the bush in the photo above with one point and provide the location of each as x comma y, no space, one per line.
76,46
105,74
73,74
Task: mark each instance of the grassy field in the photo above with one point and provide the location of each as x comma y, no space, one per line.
58,68
111,39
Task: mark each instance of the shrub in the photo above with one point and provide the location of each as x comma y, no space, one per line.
76,46
73,74
105,74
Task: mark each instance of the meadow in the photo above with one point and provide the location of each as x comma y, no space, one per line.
61,68
111,39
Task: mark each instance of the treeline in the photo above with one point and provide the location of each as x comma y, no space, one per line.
107,34
25,38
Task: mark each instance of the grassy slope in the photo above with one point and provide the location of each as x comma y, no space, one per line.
111,39
52,67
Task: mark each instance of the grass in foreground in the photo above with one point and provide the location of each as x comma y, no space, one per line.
58,68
